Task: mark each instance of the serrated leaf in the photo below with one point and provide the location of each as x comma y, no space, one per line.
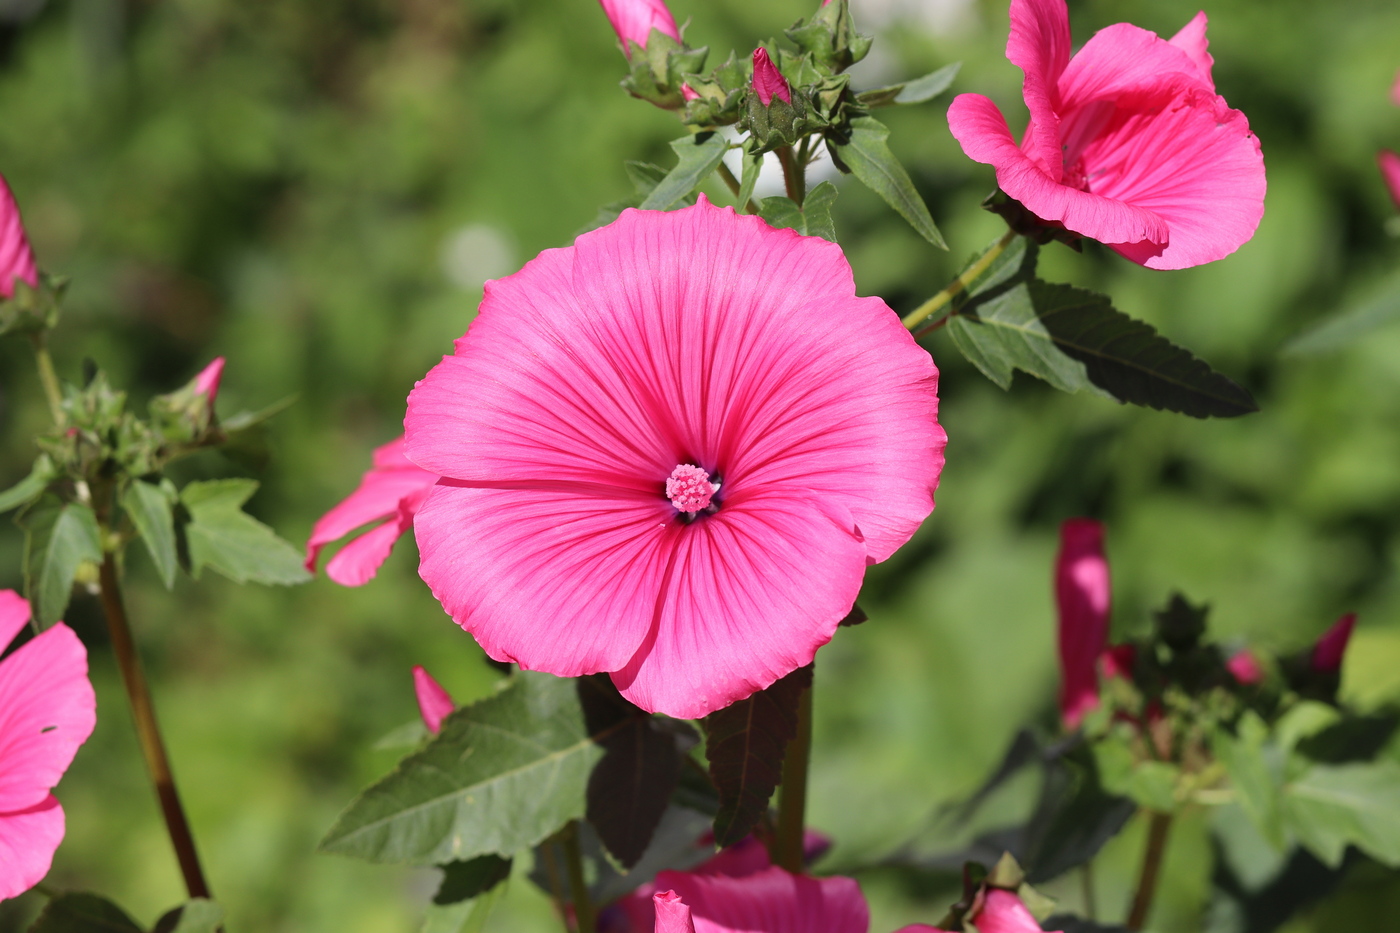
644,177
1000,332
745,743
464,880
503,774
917,91
816,210
868,156
1342,330
697,156
40,475
1330,807
150,508
83,913
219,534
199,915
58,539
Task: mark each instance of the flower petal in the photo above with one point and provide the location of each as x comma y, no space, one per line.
358,561
1332,646
1191,39
633,20
1390,172
1124,59
434,703
1082,594
672,914
14,615
1039,44
16,256
393,481
28,840
47,710
1004,913
771,901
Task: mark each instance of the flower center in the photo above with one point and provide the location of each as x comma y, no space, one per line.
689,488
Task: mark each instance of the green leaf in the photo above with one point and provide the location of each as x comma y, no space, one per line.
675,846
58,539
221,535
745,743
40,475
503,774
1073,819
869,158
750,168
83,913
462,916
1255,771
408,735
917,91
697,156
1344,329
1333,806
783,213
199,915
816,209
462,881
150,508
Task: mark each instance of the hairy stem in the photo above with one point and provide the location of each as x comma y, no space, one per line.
733,184
794,175
138,692
1086,882
1151,869
926,310
48,377
792,800
584,914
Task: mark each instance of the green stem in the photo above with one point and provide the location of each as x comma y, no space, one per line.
1151,869
556,887
138,692
1086,882
733,184
792,802
584,914
926,310
48,377
794,176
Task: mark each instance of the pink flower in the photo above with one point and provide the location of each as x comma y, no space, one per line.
1003,912
659,347
768,81
672,914
1118,661
434,703
1128,143
770,901
1395,90
1245,667
393,488
1082,594
47,710
635,19
1327,653
207,382
16,256
1390,172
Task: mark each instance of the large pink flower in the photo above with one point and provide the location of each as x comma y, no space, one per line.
668,452
393,489
1082,597
47,710
16,256
1128,143
633,20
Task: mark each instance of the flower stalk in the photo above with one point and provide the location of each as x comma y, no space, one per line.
969,275
792,800
1151,869
585,917
48,377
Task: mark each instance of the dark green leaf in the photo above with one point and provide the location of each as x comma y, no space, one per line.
40,475
1068,923
1331,807
816,209
999,332
503,774
697,157
150,508
462,881
745,744
1073,819
869,158
199,915
221,535
83,913
675,846
58,539
912,92
1346,328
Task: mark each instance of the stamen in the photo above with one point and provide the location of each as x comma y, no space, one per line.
689,488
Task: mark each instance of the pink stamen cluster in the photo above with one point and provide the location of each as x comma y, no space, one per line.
689,488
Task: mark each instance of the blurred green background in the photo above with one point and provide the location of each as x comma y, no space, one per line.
317,188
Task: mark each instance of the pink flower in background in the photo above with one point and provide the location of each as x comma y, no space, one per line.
47,710
207,382
1390,171
695,341
1128,142
768,81
1327,653
1082,594
770,901
393,489
1245,667
434,703
635,19
1395,90
16,256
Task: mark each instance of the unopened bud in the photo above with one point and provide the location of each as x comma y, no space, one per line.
1327,653
633,20
16,256
768,82
434,703
207,382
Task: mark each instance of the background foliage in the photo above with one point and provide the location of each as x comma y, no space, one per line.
316,189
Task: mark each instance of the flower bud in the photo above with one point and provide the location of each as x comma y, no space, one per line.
16,256
1082,594
207,382
1245,667
768,82
1327,654
434,703
634,20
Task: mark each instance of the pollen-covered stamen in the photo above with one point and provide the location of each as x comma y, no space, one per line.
689,488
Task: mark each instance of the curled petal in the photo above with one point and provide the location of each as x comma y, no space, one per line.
633,20
28,839
1004,913
1039,44
1082,595
1191,39
434,703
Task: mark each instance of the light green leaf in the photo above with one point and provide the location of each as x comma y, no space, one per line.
782,212
816,209
869,158
221,535
917,91
40,475
408,735
1343,329
697,156
1255,768
1332,806
198,915
83,913
150,508
58,539
750,168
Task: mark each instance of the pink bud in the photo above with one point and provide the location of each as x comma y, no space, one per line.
1118,661
433,701
1245,667
688,92
768,82
635,19
1082,594
1390,172
672,914
1005,913
16,256
1327,653
207,382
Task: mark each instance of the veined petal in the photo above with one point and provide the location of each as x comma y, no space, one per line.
16,255
393,481
771,901
1039,44
633,20
14,615
47,710
1124,59
672,914
1191,39
359,560
28,839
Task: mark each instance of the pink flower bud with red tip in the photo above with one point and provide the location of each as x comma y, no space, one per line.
1082,595
1245,667
1389,164
207,382
635,19
689,93
434,703
768,82
16,256
1327,653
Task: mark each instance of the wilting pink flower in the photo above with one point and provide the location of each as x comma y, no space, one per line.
1390,172
47,710
663,346
1128,142
635,19
16,256
207,382
1082,595
1327,653
393,489
434,703
768,81
770,901
1245,667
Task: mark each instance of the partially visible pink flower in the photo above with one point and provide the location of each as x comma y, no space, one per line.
1003,912
16,255
1327,653
207,382
695,340
1395,90
768,81
47,710
689,93
1245,667
393,489
770,901
1082,596
1390,172
672,914
434,703
1118,661
1128,142
634,20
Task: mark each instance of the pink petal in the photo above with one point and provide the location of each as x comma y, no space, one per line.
919,928
14,615
672,914
1124,60
1390,172
207,382
768,82
1039,44
434,703
359,560
1082,595
1192,40
47,710
28,840
1118,661
1245,667
1395,90
1327,653
16,256
633,20
1004,913
980,128
771,901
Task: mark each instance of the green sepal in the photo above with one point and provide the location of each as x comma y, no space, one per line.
829,36
720,95
30,309
32,486
659,70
